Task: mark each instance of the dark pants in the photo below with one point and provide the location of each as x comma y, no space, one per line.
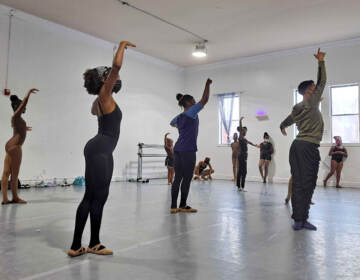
184,170
304,162
242,171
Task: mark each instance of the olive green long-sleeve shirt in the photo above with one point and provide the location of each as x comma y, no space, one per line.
307,115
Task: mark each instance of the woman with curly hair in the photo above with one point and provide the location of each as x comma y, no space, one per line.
13,148
101,81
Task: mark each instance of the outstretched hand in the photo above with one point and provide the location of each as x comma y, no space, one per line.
33,90
241,119
320,55
125,44
209,82
118,58
28,128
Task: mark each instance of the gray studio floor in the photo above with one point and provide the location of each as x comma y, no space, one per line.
234,235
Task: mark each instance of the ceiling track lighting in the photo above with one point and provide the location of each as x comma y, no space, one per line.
200,47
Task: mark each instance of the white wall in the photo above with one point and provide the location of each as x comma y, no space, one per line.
267,82
52,58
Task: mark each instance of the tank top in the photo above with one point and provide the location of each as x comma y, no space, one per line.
109,124
266,148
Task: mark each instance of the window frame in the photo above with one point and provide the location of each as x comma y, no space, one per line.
342,115
220,144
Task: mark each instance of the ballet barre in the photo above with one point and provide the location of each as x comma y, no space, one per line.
142,155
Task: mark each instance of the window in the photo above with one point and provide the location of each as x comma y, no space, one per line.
229,116
345,112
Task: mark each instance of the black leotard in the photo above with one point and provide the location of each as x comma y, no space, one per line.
265,150
338,158
98,173
202,168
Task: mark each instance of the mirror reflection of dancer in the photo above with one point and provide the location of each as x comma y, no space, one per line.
337,153
101,81
13,149
169,161
202,171
304,151
266,150
186,146
235,146
243,155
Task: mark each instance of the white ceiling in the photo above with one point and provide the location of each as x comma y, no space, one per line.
234,28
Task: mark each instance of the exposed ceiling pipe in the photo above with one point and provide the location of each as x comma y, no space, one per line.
203,40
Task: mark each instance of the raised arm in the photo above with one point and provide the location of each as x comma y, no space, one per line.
23,104
206,94
106,90
321,78
240,128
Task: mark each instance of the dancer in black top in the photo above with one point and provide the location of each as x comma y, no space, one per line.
266,150
337,153
243,155
101,81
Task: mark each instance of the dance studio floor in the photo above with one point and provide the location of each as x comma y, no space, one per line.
234,235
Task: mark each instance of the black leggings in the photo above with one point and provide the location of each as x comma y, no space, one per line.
98,173
184,170
304,162
242,171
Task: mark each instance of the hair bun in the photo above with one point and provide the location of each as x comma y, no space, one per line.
14,98
179,96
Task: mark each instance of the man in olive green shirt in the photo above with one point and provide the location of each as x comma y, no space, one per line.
304,152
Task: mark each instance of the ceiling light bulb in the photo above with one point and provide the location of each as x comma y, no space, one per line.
200,50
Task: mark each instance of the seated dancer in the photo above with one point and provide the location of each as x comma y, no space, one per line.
169,161
304,152
337,153
185,148
266,150
13,148
235,146
243,155
202,172
99,164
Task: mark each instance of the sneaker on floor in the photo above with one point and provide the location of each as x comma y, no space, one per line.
187,209
339,187
297,225
309,226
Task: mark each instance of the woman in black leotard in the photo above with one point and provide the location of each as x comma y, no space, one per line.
337,153
266,150
101,81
